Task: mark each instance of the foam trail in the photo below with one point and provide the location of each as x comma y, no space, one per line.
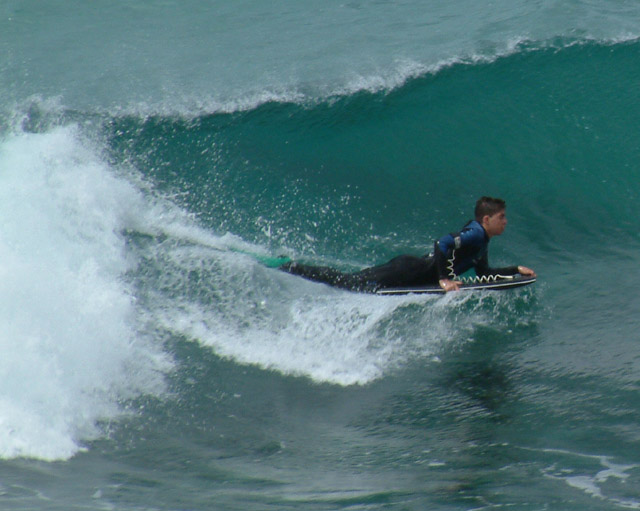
210,289
69,341
256,315
594,485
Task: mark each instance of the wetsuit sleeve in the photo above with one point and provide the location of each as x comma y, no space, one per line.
483,270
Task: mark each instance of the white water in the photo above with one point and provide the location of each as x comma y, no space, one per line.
255,315
70,346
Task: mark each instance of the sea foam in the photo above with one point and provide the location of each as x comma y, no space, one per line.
71,349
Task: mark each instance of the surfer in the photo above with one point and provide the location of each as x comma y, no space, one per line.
453,255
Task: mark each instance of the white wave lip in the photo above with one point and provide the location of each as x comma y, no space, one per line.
213,57
69,342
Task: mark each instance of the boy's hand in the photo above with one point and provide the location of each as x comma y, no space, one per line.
527,272
450,285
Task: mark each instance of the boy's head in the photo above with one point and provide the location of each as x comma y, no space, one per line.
490,212
488,206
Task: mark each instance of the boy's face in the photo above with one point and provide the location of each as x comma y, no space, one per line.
495,224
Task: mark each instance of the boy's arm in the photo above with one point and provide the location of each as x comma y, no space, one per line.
483,269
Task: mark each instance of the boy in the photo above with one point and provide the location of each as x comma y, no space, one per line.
453,255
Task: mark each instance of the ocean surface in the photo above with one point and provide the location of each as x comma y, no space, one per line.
152,153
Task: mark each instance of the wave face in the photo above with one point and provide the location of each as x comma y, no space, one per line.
151,156
544,127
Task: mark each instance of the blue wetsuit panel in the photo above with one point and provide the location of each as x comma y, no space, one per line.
457,253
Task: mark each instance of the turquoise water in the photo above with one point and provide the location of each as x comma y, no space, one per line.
150,362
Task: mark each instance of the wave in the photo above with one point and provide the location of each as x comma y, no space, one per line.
123,231
399,73
99,268
538,127
324,167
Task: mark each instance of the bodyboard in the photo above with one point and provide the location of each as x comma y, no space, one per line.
499,284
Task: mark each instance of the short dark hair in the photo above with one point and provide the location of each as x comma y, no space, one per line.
488,206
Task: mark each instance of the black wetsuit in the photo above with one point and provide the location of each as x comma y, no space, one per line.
453,255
